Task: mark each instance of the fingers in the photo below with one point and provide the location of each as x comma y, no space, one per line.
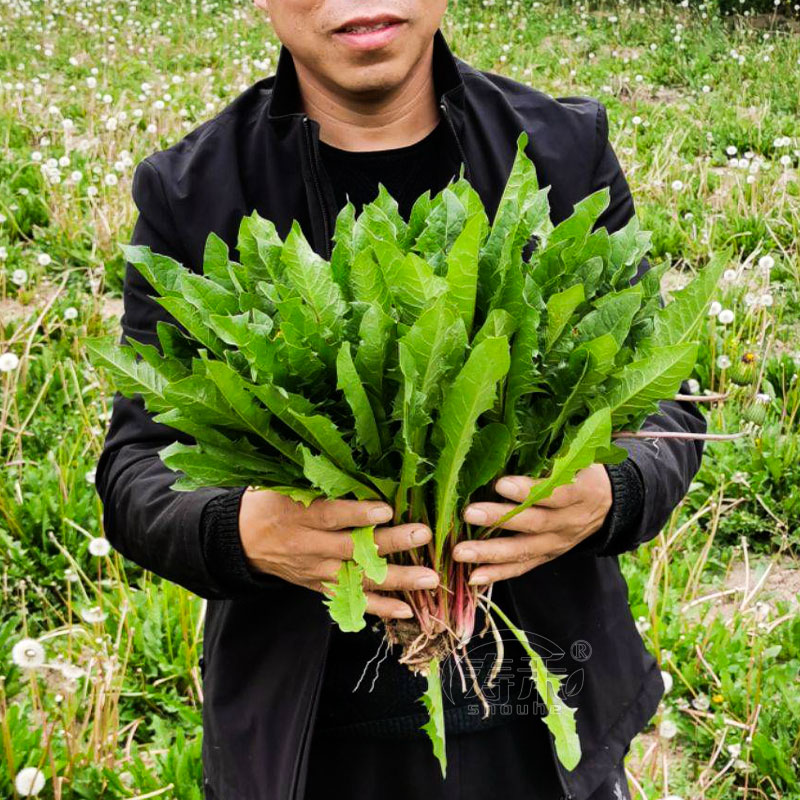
518,549
401,537
339,544
334,515
518,487
378,604
398,577
501,572
531,519
382,606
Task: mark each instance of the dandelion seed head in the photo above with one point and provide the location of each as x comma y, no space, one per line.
701,702
725,316
667,729
71,671
766,263
29,782
19,276
93,614
99,546
28,653
8,362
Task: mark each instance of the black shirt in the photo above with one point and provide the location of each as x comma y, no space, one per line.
390,705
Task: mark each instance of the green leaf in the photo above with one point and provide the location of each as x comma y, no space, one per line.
560,308
560,718
260,250
236,391
215,261
367,283
205,464
462,268
130,375
486,459
613,315
436,342
375,335
163,273
411,279
472,393
434,727
331,480
348,603
194,321
365,554
298,494
445,222
576,453
641,384
350,384
678,321
311,277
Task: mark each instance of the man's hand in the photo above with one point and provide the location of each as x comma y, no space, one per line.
546,530
306,546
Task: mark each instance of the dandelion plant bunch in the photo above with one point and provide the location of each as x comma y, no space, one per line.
425,359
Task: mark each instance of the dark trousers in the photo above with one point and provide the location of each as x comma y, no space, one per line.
511,761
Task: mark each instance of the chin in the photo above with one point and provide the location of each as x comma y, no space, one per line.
366,80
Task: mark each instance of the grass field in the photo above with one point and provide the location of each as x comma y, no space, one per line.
99,682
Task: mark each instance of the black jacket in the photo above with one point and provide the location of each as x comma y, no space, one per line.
266,639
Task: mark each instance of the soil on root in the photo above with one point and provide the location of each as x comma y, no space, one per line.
418,647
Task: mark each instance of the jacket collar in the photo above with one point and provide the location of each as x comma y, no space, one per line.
285,100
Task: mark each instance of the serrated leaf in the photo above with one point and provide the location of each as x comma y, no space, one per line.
365,554
130,375
677,322
349,602
298,494
434,727
472,392
462,268
577,453
331,480
560,308
349,382
641,384
310,275
560,718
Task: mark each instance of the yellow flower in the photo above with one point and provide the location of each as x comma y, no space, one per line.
717,698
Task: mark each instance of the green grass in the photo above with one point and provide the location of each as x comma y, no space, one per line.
683,86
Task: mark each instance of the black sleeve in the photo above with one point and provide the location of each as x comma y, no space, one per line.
651,482
143,518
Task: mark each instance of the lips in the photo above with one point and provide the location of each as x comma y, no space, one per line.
366,24
365,28
364,34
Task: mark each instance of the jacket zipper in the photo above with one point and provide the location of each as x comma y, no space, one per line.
446,115
315,175
567,795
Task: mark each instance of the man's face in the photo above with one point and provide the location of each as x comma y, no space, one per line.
364,65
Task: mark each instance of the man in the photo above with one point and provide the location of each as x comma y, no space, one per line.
261,559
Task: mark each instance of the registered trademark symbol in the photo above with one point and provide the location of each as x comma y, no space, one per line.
580,650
